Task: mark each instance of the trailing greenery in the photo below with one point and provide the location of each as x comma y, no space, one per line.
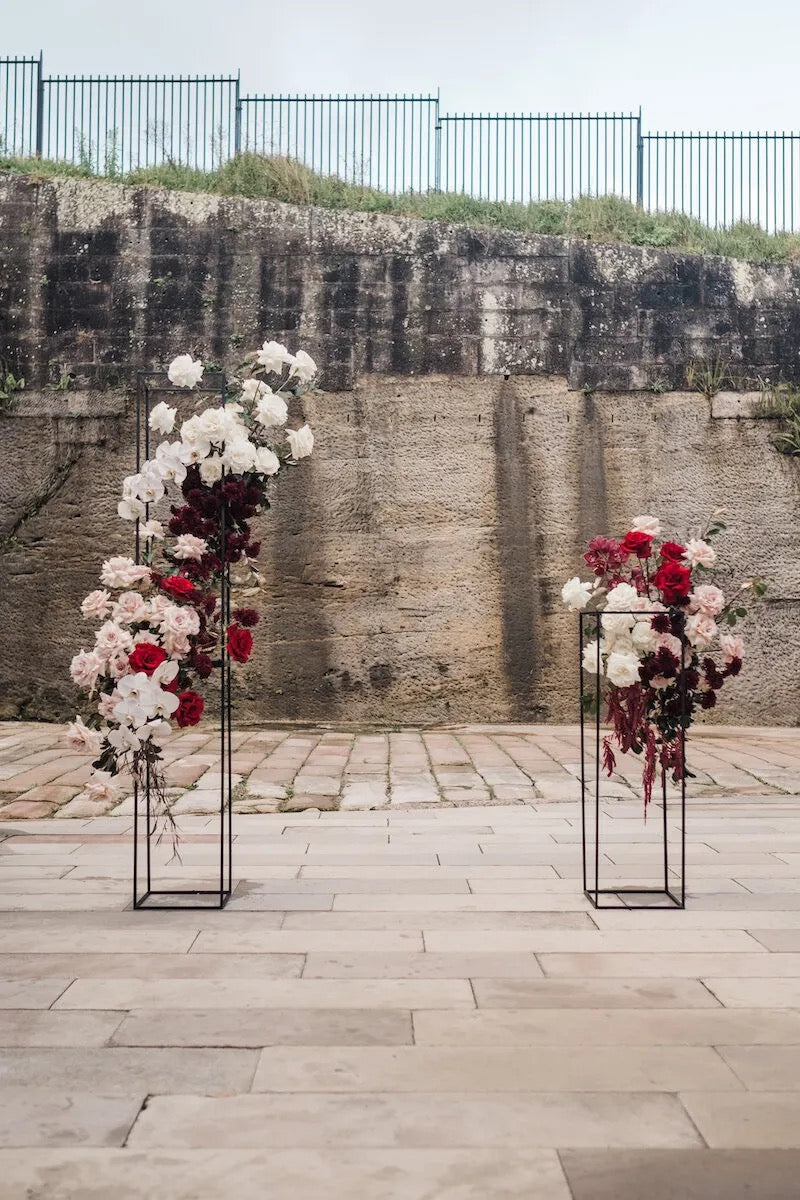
606,219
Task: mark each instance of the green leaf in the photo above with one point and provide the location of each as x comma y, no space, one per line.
741,612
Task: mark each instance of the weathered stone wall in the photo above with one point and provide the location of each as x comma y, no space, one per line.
414,563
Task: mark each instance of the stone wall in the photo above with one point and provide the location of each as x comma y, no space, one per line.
413,565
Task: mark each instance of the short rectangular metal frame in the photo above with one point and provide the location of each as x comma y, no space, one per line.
149,383
672,897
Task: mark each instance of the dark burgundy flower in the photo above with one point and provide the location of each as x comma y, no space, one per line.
246,616
733,667
190,709
240,643
201,663
146,656
604,554
707,699
661,623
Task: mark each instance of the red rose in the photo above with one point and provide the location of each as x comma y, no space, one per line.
674,581
190,708
672,551
146,657
240,643
178,586
638,543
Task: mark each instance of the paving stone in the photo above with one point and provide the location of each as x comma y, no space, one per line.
765,1068
728,1028
592,993
682,1174
429,965
126,1071
28,1027
46,1116
38,993
268,1027
741,1120
267,993
488,1069
151,966
286,1175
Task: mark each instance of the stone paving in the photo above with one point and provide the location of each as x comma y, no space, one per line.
410,1003
290,770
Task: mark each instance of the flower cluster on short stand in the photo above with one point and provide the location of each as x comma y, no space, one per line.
656,670
161,623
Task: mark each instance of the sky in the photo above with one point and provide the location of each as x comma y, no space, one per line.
690,64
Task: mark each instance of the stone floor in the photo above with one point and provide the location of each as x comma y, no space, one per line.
411,1004
290,770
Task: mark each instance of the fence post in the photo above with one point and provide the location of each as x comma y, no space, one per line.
639,161
237,120
437,149
40,105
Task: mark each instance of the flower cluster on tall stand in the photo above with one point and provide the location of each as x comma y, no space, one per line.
650,696
162,619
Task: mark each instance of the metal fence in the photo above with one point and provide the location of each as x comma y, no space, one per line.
402,143
383,142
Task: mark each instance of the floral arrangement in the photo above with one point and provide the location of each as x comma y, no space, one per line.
656,670
161,620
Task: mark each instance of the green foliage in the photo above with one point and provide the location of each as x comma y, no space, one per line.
709,376
602,219
783,401
10,385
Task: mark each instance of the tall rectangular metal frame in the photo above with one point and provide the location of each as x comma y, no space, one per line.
673,898
147,384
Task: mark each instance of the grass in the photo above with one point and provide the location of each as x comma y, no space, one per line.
604,219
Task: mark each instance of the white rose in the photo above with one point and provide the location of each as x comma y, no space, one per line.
701,630
699,553
590,657
187,546
85,669
130,608
732,647
110,639
644,637
180,619
273,355
118,664
302,367
621,598
211,469
184,371
122,572
619,642
617,622
576,594
177,645
97,605
239,455
266,461
648,525
162,418
254,389
105,705
622,669
101,786
707,599
301,441
80,737
271,410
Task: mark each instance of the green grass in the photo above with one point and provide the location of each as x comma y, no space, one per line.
604,219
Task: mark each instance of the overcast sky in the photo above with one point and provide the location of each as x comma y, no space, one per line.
691,64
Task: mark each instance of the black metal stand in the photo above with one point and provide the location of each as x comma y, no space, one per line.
145,832
672,892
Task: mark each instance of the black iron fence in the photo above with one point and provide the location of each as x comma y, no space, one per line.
400,143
